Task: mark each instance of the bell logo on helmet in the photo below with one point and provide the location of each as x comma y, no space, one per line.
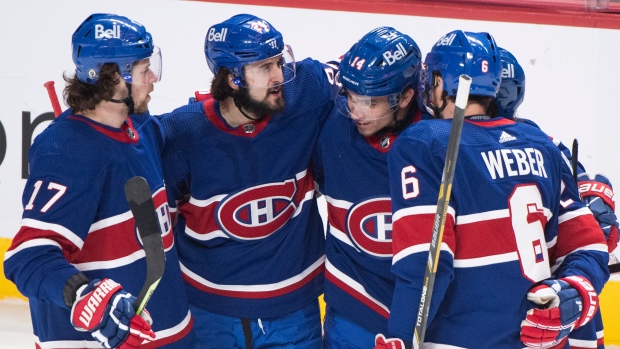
446,40
220,37
102,33
509,71
400,52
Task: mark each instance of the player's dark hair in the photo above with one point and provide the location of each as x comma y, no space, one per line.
81,96
220,89
488,103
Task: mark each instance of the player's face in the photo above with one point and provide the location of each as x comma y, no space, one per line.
143,78
370,114
263,93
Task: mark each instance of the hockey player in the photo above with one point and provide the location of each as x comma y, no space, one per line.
250,237
77,256
516,267
378,75
596,192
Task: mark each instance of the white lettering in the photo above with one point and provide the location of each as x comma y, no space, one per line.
522,163
515,162
446,40
507,162
509,71
540,163
102,33
494,164
219,36
400,52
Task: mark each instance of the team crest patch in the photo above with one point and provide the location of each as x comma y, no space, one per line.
257,212
130,133
369,226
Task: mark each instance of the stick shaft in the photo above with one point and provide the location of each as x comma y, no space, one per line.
51,92
462,96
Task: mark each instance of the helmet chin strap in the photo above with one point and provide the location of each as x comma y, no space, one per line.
437,111
238,105
128,101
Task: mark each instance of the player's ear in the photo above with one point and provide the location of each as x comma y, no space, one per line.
405,97
233,82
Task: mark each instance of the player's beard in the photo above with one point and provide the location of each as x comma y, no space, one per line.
260,108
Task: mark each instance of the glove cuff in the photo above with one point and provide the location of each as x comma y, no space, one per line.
601,190
588,296
71,287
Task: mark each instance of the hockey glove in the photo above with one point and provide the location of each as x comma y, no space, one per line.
598,195
392,343
106,311
568,304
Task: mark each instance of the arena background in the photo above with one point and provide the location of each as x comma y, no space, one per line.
570,55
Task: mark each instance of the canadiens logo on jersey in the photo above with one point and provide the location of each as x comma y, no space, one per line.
369,226
258,212
163,215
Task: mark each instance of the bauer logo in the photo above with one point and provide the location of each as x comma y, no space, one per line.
349,80
446,40
509,71
102,33
392,57
219,36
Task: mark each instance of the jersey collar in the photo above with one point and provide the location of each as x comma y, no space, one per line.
125,134
249,130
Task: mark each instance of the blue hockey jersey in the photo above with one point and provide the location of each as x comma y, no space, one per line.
76,219
249,233
352,174
590,335
515,218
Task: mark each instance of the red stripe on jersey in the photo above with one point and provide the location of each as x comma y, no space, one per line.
485,238
217,121
418,229
493,123
108,243
352,292
575,233
170,339
200,219
26,234
337,217
256,294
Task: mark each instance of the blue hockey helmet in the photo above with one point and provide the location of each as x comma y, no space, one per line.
108,38
512,89
241,40
459,52
382,63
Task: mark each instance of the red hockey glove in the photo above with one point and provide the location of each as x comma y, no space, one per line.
106,311
569,303
598,194
392,343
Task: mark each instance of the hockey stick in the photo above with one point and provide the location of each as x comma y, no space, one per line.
140,202
462,95
574,159
613,268
51,92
